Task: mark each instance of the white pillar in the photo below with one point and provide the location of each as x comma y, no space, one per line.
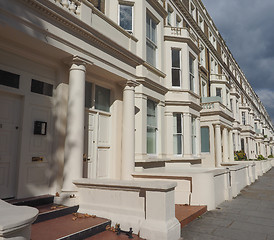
218,145
198,133
128,131
74,143
236,141
231,150
187,135
225,145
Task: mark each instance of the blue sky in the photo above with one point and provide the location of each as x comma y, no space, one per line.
247,26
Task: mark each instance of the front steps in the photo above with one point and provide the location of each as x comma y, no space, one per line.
61,222
64,223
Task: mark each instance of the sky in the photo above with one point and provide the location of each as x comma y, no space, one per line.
247,26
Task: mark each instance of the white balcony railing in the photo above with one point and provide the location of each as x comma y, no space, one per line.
181,32
214,104
72,6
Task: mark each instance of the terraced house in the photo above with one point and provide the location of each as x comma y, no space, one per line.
125,96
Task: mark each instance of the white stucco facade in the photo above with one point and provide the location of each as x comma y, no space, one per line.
87,93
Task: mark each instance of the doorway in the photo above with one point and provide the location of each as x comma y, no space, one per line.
9,138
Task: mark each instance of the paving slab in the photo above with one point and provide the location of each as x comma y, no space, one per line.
249,216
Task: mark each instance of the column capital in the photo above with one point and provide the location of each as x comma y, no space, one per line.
130,83
77,61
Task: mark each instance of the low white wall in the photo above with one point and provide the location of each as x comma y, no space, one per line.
148,207
15,221
196,186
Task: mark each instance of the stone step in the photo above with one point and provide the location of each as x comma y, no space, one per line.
32,201
186,214
50,211
72,226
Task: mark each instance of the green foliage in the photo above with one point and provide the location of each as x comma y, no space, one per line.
240,156
260,157
271,156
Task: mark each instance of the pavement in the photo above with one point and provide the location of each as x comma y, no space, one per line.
249,216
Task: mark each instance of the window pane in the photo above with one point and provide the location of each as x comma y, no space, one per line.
205,147
102,99
179,123
126,17
191,65
151,54
176,58
153,31
219,92
9,79
151,127
147,26
191,82
176,78
151,140
41,87
177,144
151,114
88,96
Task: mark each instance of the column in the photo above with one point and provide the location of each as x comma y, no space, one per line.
74,142
236,141
198,134
218,145
187,135
225,145
128,131
231,150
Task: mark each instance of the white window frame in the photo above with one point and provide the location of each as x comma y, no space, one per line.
155,128
178,21
201,22
149,40
169,15
192,9
221,92
180,68
132,17
176,133
192,74
204,88
194,135
202,55
243,118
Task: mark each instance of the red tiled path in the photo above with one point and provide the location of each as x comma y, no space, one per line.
185,214
62,226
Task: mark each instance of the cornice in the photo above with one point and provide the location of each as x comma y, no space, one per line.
157,6
190,104
152,85
65,18
184,40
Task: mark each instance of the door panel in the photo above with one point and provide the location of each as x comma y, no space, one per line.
97,145
9,133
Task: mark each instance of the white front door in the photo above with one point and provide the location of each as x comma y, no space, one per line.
97,145
9,134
